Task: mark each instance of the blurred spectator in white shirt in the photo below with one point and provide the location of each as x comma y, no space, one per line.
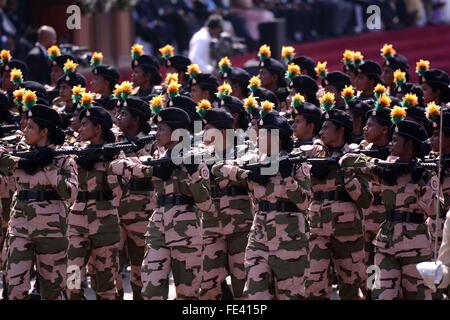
199,45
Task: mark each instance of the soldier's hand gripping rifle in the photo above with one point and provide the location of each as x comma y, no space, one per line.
106,151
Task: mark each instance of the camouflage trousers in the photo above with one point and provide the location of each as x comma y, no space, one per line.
101,251
50,257
132,241
275,274
4,218
185,264
347,254
223,255
399,278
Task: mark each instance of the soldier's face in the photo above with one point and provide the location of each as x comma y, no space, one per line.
33,133
65,92
434,141
6,81
388,76
330,133
88,130
362,83
125,120
75,123
163,135
56,73
98,84
372,130
237,90
138,77
429,94
198,94
398,145
267,79
302,129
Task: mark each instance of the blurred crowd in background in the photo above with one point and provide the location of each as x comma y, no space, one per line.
161,21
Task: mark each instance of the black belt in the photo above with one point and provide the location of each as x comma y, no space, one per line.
377,199
332,195
174,200
281,206
140,185
404,217
95,195
228,191
42,195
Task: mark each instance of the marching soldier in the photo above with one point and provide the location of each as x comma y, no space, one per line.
46,183
409,196
368,75
174,235
137,202
225,233
93,223
145,72
277,252
334,213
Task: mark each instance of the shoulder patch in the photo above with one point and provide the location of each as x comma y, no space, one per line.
434,183
204,172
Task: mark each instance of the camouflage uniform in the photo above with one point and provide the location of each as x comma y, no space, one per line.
37,228
336,230
174,235
401,242
277,251
225,237
136,206
94,229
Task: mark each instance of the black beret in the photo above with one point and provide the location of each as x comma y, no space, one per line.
138,107
180,63
176,118
382,115
219,118
37,87
358,107
274,121
148,64
239,75
418,114
99,114
304,84
206,80
337,79
370,68
310,111
274,66
45,115
397,62
436,78
265,94
187,104
73,79
62,59
338,117
306,64
107,72
16,64
409,87
108,102
233,104
411,130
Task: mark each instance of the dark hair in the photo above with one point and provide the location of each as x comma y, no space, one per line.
6,116
214,21
207,87
243,122
348,134
314,121
144,126
108,135
287,144
55,135
155,78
